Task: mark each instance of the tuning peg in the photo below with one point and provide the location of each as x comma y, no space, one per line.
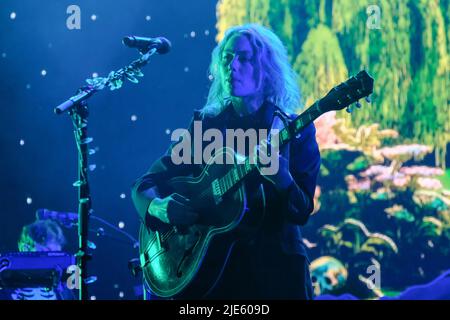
357,104
368,99
349,109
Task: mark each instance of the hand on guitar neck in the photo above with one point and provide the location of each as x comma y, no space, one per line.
174,209
281,178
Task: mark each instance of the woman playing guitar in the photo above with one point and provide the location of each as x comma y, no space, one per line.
254,87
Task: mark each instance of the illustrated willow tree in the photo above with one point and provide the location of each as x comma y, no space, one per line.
408,55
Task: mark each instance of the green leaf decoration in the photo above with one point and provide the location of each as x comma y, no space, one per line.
130,77
431,226
359,164
400,213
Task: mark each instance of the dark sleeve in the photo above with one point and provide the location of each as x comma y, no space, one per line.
304,166
151,184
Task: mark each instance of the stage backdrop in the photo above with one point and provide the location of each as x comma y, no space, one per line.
382,204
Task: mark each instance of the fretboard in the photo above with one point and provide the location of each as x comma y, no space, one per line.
237,174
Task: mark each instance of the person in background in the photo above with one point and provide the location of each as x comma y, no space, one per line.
39,236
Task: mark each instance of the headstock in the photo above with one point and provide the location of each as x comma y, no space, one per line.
348,92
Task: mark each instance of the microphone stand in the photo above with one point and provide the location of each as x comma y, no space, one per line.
79,116
79,112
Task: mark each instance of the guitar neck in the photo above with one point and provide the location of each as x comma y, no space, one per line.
237,174
297,125
339,97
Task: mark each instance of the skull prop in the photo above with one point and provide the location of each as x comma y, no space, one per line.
327,274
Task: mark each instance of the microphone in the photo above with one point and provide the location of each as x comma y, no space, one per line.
161,44
65,218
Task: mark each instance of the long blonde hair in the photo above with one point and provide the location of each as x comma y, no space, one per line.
279,79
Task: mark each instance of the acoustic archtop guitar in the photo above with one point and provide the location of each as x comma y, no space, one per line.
173,260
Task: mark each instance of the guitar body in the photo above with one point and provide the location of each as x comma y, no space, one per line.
172,257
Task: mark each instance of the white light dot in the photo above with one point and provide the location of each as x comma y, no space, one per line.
44,72
29,200
121,294
28,86
22,142
167,131
206,32
4,55
93,298
95,75
93,17
121,225
192,34
122,196
186,69
13,15
148,18
210,77
133,117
